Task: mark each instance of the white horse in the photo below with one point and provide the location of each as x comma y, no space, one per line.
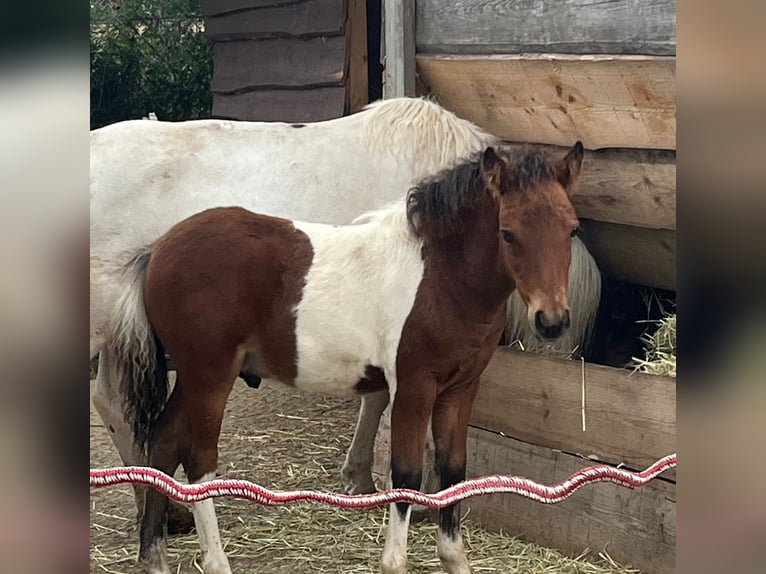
148,175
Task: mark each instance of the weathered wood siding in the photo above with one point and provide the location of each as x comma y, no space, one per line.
634,254
604,101
630,417
563,26
287,60
636,527
309,18
628,186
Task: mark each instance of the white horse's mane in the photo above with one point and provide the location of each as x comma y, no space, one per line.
422,124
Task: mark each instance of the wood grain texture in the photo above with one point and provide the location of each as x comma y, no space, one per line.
399,48
630,417
627,186
604,101
633,254
218,7
357,92
283,62
636,527
565,26
282,105
305,19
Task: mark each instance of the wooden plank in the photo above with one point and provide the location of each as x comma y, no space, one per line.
630,417
636,527
633,254
357,93
627,186
282,105
565,26
218,7
604,101
306,19
283,62
399,45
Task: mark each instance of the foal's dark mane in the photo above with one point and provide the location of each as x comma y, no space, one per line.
435,205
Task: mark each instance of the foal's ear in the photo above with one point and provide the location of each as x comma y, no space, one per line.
568,169
491,170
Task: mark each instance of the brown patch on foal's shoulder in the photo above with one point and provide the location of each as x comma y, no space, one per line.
230,279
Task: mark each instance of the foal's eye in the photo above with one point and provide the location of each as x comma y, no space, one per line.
575,231
507,236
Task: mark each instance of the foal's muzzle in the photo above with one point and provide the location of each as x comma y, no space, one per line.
548,329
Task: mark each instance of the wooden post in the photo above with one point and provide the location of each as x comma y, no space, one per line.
399,48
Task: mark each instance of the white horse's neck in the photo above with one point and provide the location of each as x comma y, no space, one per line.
420,131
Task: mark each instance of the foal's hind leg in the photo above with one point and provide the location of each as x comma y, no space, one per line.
357,469
167,445
205,403
451,415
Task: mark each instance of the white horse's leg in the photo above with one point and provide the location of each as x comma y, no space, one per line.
214,559
109,405
357,469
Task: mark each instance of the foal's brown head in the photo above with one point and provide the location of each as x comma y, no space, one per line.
536,226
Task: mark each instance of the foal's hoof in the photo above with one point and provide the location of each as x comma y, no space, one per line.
180,519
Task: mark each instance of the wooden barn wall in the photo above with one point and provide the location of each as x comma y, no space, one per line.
287,60
604,101
562,26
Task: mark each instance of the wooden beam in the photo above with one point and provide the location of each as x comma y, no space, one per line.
604,101
626,186
311,18
276,63
282,105
356,56
633,254
636,527
630,417
399,46
564,26
219,7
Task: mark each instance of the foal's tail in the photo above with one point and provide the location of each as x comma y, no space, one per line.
139,358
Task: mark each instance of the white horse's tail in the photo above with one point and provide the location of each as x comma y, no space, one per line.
584,297
139,358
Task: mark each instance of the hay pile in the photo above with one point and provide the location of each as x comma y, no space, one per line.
312,540
660,348
282,439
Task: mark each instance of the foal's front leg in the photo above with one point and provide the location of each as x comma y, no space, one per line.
410,414
451,415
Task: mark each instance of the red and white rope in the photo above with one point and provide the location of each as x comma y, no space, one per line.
495,484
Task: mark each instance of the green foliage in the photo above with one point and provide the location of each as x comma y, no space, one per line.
148,56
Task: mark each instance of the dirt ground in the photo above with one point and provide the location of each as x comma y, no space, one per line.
283,439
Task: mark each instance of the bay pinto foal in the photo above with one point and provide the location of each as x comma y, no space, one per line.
412,300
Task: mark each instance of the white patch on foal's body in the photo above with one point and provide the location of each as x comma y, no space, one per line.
359,291
214,559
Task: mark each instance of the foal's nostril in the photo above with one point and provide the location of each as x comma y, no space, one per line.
551,330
